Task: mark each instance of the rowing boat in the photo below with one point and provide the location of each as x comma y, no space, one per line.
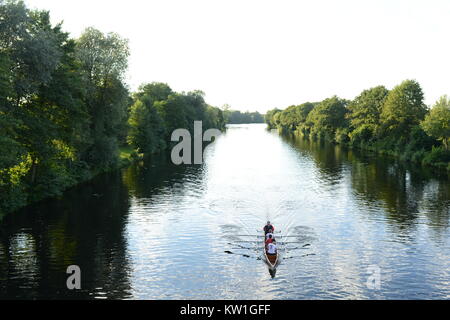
271,259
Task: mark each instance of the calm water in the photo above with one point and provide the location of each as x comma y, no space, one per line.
159,231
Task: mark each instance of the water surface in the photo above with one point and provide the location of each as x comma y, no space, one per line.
160,231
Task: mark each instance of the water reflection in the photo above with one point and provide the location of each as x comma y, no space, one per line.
84,228
159,175
328,158
405,191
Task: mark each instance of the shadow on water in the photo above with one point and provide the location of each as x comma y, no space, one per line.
158,173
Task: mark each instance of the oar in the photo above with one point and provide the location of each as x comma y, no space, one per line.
260,236
244,255
272,232
304,255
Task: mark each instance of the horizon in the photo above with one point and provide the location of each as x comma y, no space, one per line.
279,57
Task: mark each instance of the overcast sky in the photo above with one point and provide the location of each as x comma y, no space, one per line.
257,55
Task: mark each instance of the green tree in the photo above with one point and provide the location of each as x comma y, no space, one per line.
214,118
39,102
173,113
366,108
237,117
437,121
327,116
364,115
158,111
31,44
146,132
269,118
11,149
403,109
194,107
294,116
104,61
155,91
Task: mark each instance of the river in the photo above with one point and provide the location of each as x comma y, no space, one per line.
359,226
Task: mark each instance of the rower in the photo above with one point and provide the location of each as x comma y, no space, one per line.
269,239
269,235
272,248
268,227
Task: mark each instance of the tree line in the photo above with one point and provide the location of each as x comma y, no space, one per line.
65,111
238,117
395,122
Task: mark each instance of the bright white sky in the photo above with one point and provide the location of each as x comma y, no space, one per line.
257,55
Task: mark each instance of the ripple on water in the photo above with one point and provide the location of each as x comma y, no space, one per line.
169,232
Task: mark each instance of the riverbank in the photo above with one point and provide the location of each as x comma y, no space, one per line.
421,157
126,157
392,122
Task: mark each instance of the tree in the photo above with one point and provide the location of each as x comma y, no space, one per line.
366,108
328,116
364,115
270,118
437,121
294,116
103,56
173,113
194,107
11,149
214,118
104,61
36,105
146,132
31,44
403,109
158,111
236,117
155,91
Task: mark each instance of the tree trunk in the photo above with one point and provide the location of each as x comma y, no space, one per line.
33,170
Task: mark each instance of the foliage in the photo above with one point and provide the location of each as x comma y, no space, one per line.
328,116
364,112
238,117
437,121
146,132
403,109
158,111
103,60
437,155
392,122
270,118
65,110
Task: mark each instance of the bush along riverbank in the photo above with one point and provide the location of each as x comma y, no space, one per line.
66,114
393,122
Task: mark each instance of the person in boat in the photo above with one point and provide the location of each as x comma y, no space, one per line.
272,248
268,227
269,238
269,235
